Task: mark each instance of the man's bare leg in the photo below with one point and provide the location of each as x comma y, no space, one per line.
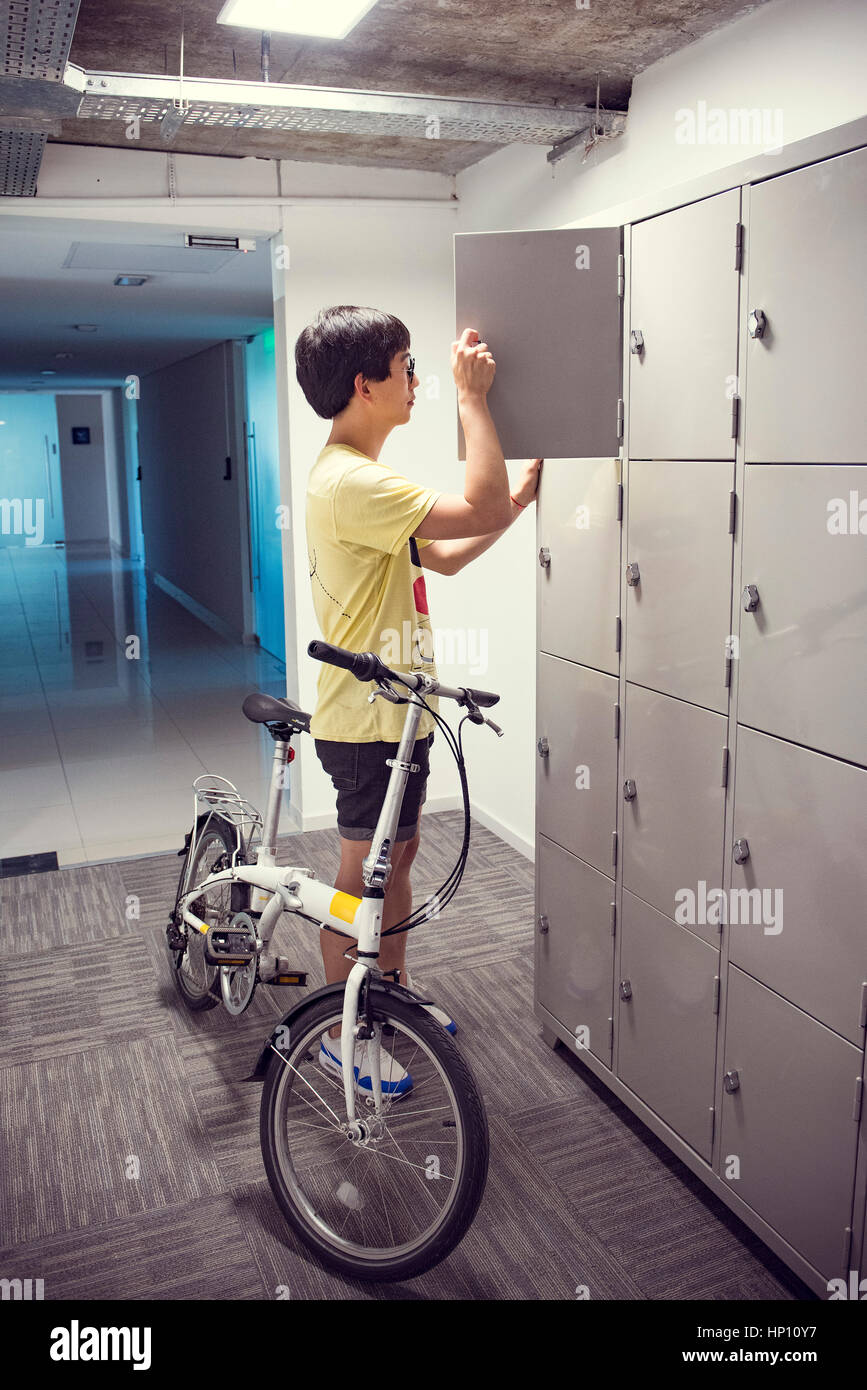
397,905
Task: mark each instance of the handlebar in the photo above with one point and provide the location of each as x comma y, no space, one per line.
366,666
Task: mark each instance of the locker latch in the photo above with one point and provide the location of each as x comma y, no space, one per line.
542,747
633,576
625,989
629,790
544,557
731,1081
543,924
636,341
741,850
750,598
756,323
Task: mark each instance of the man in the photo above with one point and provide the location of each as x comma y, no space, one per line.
367,527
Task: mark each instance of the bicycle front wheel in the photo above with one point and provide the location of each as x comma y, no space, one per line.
394,1201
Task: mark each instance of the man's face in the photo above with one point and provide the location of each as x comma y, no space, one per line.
394,396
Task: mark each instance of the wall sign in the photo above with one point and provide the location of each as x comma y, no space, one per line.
81,434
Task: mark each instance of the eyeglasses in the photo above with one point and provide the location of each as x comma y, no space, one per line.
410,369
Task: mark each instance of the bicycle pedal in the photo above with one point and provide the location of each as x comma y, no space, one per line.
289,977
228,946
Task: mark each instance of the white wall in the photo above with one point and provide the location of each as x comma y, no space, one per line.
804,60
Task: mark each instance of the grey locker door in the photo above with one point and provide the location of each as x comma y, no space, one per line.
667,1023
547,305
578,537
806,401
803,648
803,818
684,285
576,778
673,824
678,614
575,952
789,1122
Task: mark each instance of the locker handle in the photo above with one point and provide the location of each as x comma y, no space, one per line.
633,575
545,557
542,747
750,598
756,323
630,790
636,342
543,924
732,1081
741,849
625,989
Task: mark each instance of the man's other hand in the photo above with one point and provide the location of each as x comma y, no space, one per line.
526,490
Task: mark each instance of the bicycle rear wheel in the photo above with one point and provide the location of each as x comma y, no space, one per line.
215,843
393,1203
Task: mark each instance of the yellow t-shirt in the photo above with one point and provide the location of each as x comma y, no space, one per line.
368,588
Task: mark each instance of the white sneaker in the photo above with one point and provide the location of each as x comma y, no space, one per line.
438,1014
395,1081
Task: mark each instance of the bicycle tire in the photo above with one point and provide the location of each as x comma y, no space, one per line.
321,1014
208,828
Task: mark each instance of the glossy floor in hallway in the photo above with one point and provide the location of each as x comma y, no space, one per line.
113,698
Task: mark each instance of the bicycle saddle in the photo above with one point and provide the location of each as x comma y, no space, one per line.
267,709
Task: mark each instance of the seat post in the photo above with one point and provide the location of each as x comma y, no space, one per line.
275,793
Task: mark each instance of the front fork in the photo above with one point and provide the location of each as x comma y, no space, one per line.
353,1028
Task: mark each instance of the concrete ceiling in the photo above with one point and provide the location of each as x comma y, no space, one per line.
177,313
546,52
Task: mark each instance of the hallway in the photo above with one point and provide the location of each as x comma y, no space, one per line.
113,699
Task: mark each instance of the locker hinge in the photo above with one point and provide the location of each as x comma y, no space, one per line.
613,919
847,1247
859,1093
611,1034
716,993
733,511
617,634
728,676
617,720
619,501
725,768
712,1123
862,1021
614,849
619,417
739,246
621,275
736,413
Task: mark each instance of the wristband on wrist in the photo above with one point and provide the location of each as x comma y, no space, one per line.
516,502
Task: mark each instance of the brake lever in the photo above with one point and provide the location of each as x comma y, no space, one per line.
387,692
475,714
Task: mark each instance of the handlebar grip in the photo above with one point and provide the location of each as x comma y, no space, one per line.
365,666
483,698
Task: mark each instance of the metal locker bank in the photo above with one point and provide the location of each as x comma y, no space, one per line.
701,739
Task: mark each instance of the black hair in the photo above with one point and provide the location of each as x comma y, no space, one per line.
341,342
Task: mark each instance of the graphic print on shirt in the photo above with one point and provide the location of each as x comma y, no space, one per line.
314,575
423,646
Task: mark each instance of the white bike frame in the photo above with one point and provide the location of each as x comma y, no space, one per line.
298,890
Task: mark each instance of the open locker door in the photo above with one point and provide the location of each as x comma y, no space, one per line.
548,304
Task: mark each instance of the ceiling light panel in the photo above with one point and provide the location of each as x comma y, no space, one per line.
324,19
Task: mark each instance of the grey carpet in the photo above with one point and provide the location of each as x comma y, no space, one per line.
131,1162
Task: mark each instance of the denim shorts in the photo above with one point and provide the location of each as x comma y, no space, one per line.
360,776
